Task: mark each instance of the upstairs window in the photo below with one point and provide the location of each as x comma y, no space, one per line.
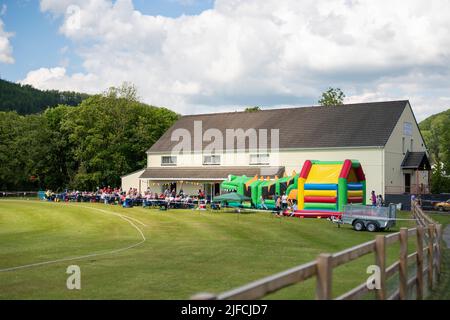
403,145
211,160
407,128
259,159
168,161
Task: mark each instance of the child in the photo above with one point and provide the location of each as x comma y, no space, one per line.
373,198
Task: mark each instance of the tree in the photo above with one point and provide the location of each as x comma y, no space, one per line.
437,139
252,109
83,147
110,134
127,91
332,97
26,100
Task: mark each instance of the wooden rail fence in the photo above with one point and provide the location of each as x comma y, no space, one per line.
427,259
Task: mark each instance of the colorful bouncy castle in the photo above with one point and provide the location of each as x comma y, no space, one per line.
258,186
325,187
322,188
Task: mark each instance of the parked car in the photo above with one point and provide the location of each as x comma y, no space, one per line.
443,206
429,204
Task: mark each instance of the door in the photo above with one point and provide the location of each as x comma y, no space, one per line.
407,183
216,189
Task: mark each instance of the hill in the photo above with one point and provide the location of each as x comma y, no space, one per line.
425,125
436,133
26,100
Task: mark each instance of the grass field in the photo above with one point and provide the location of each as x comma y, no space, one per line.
185,251
442,291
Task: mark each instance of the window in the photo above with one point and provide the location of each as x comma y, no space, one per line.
411,146
403,145
211,160
407,128
168,161
259,159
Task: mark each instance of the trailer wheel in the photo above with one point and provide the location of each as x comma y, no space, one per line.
358,225
372,226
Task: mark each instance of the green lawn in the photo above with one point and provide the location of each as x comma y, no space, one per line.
186,251
442,291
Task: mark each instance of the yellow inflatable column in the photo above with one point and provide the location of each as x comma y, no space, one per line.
301,193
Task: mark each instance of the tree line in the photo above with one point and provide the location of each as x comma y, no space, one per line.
436,133
26,100
83,147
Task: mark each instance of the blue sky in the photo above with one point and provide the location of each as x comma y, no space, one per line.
37,42
197,56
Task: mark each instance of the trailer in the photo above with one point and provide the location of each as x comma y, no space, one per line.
368,217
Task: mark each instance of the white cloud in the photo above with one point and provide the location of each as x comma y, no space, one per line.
252,52
5,46
51,78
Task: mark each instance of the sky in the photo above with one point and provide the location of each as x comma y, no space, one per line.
198,56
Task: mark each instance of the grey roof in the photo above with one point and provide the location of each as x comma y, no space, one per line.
350,125
416,160
207,173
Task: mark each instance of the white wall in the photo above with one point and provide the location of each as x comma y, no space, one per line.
371,160
132,181
394,155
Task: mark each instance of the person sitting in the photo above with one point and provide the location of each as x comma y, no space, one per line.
215,205
294,206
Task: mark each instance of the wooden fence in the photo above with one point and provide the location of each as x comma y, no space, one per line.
427,259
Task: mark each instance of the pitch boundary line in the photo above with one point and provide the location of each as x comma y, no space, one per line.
110,252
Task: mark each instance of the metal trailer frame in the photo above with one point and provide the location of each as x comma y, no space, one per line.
368,217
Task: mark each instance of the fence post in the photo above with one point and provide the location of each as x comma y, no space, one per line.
380,261
438,251
419,272
403,268
430,255
324,277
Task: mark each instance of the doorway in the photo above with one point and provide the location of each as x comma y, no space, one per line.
407,183
216,189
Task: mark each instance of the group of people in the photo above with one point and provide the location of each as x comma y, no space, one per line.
110,195
377,200
282,203
131,197
173,199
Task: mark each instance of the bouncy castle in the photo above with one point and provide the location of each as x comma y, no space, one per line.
325,187
257,187
322,188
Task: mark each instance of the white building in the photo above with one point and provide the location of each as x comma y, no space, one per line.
383,136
